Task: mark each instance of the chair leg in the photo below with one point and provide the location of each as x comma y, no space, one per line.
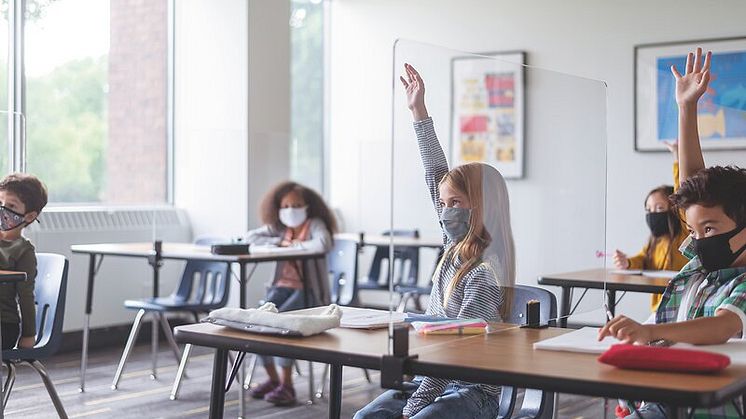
297,369
128,347
310,383
170,336
250,375
154,345
403,300
180,371
9,382
367,375
322,383
39,367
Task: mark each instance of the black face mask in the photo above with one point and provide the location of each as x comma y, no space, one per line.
714,252
658,223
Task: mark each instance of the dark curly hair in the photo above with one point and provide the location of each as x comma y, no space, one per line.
723,186
317,208
28,188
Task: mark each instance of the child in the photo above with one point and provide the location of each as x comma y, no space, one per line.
472,204
666,235
296,216
22,197
706,302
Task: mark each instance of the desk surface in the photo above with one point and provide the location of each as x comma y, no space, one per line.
12,276
505,357
186,251
596,278
381,240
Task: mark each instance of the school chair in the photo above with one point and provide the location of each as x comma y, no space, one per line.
404,257
342,263
49,291
411,291
537,404
204,286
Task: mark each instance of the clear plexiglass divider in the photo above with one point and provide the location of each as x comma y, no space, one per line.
504,166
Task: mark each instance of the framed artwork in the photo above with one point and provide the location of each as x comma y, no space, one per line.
721,114
488,111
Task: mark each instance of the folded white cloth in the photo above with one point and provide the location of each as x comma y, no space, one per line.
307,322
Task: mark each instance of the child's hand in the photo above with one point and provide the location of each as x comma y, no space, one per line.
620,260
692,85
626,330
26,342
415,88
673,147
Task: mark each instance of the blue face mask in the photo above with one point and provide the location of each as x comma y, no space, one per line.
455,223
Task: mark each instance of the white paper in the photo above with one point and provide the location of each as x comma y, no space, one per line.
649,274
367,318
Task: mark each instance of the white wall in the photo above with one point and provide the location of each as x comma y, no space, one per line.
231,114
590,39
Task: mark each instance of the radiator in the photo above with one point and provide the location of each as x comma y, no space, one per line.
118,278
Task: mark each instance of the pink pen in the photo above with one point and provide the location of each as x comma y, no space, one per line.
602,254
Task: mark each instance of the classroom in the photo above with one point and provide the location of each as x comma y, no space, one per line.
373,209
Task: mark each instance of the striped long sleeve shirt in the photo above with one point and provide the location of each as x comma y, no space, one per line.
477,295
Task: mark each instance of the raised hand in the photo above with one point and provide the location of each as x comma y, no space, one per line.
693,84
415,89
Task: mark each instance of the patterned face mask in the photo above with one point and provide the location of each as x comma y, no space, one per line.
10,219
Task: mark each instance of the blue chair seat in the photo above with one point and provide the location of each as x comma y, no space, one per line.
170,303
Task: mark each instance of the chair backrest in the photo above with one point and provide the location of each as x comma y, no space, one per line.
342,263
50,291
403,256
204,284
521,294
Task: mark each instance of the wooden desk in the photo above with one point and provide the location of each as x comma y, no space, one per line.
5,277
174,251
600,279
364,239
505,357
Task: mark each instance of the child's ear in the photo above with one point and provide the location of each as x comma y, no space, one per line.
30,217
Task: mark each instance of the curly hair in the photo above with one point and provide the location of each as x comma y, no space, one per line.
723,186
317,208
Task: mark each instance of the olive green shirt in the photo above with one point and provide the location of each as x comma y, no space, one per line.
18,255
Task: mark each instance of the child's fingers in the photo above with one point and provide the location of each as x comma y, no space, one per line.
698,61
705,79
404,82
689,63
708,59
675,72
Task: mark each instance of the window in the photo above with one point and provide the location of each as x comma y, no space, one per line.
307,88
96,99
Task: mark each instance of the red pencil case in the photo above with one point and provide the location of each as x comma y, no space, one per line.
655,358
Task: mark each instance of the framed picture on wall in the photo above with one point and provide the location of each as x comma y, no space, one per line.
488,111
721,114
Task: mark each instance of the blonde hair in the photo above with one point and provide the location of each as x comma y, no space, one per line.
468,180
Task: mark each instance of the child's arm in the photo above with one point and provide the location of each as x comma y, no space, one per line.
433,158
262,235
321,239
701,331
27,263
689,88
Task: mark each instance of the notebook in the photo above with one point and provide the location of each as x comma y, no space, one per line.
368,318
585,340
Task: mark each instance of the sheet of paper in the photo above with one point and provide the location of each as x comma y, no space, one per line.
270,248
367,318
627,272
660,274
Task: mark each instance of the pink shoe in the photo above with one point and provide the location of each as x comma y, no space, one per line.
262,389
282,395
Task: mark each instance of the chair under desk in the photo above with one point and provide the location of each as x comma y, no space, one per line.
505,357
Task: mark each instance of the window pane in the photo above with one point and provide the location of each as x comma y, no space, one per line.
307,92
96,86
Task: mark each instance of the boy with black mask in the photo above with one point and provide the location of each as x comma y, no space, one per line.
706,302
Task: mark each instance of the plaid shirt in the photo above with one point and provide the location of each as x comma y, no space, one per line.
726,287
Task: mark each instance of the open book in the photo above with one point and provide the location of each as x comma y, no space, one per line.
368,318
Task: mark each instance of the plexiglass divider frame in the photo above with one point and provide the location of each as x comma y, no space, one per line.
541,134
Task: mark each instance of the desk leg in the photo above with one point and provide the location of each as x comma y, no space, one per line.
565,306
87,320
611,301
241,370
217,392
335,391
